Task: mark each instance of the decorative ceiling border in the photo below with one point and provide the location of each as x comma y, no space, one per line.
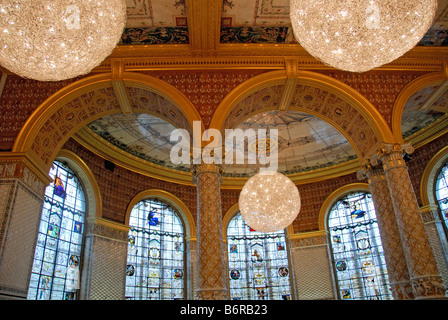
253,56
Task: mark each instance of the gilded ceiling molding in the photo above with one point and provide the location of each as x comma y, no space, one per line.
180,207
78,104
248,56
429,177
425,81
91,188
334,197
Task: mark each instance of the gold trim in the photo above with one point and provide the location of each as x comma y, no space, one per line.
37,120
429,176
205,53
334,197
174,201
429,133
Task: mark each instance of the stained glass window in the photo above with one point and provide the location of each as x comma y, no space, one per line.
155,265
442,192
258,263
57,258
358,255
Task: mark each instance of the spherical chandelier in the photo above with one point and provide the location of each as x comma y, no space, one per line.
269,201
51,40
359,35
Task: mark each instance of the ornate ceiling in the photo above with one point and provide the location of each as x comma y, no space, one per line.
239,21
235,35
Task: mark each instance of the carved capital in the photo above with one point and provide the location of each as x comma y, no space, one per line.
202,168
391,155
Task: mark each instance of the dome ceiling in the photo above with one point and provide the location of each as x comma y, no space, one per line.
304,143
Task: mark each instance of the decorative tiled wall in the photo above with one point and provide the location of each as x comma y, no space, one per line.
104,265
312,268
20,213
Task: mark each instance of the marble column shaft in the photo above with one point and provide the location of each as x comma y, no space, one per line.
390,236
211,277
424,275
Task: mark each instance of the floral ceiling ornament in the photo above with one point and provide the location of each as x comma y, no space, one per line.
359,35
269,201
50,40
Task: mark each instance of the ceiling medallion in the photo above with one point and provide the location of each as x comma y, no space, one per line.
269,201
51,40
359,35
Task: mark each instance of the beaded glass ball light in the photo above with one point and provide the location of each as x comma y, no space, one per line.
359,35
51,40
269,201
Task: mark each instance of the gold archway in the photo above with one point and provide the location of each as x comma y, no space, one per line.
76,105
359,107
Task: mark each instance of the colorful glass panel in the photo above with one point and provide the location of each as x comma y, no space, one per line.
155,265
258,263
442,192
57,259
358,254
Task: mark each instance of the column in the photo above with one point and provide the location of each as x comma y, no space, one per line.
103,276
390,236
21,200
211,276
436,236
424,275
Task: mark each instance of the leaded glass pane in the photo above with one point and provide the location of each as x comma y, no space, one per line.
442,192
155,267
357,249
258,263
55,272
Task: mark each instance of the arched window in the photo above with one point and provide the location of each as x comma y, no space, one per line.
357,250
155,267
442,192
258,263
57,259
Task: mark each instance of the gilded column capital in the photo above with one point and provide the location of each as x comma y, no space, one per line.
391,155
198,169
